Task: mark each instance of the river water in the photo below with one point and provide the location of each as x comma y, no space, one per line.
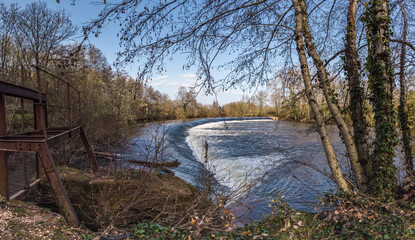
250,159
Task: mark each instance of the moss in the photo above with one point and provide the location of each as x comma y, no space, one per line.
19,210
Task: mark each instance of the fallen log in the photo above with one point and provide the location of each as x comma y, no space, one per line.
105,154
174,163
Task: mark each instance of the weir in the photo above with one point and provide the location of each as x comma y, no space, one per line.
40,141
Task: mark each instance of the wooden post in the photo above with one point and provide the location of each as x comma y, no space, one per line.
4,182
56,184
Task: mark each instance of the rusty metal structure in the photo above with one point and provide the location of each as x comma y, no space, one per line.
40,141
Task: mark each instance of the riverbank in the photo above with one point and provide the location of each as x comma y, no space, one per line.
112,203
165,207
346,217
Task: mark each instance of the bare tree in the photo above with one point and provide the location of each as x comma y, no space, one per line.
261,98
321,126
7,24
356,90
331,101
40,31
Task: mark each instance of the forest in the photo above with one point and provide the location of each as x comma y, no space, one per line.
348,64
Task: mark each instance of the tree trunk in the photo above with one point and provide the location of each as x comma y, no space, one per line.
325,139
356,90
403,114
361,179
382,180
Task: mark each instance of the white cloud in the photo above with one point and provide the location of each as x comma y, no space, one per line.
190,76
160,77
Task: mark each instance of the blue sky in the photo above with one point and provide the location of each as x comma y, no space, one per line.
174,76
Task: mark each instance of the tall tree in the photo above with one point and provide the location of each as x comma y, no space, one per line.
331,101
383,180
356,90
300,12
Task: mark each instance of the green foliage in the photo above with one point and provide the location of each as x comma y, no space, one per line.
19,211
87,237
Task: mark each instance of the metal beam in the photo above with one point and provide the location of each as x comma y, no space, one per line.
19,146
63,136
17,91
93,161
57,187
25,137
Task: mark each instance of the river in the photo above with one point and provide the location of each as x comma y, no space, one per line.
250,159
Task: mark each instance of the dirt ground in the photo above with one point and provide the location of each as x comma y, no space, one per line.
21,220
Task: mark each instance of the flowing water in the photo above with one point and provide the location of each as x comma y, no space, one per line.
252,157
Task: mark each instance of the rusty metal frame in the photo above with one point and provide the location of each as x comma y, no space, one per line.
39,141
21,92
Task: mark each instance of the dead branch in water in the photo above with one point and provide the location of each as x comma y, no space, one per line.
174,163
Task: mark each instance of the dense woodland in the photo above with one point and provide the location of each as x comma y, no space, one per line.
349,63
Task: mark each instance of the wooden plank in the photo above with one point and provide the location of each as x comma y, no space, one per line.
93,161
57,187
4,179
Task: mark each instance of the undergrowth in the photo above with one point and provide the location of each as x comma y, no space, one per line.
344,217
